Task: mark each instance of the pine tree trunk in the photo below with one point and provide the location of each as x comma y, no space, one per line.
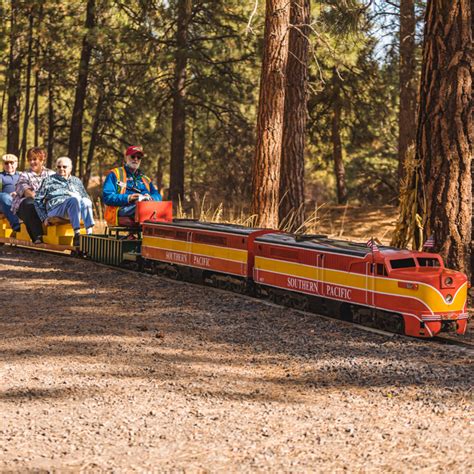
36,109
51,125
407,83
291,211
266,165
14,83
75,134
445,129
3,34
339,170
178,125
26,117
93,140
159,174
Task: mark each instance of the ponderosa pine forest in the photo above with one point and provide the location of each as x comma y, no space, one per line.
266,108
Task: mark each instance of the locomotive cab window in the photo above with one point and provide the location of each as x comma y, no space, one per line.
403,263
428,262
381,269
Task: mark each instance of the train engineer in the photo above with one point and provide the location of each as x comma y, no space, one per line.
126,185
63,195
23,204
8,179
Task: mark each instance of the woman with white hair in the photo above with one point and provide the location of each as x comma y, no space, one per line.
63,195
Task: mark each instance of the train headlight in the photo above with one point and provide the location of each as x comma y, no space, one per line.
448,298
448,281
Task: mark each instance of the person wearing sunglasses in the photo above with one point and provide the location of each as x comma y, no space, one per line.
8,179
125,185
63,195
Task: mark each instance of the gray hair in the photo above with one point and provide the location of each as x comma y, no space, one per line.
10,157
64,158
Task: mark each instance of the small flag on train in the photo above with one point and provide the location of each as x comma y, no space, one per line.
429,243
372,245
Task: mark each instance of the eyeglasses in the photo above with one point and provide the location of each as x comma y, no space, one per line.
138,157
62,167
9,162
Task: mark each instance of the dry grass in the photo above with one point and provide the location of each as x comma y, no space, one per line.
344,222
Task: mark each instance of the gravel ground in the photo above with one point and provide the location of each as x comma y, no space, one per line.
103,370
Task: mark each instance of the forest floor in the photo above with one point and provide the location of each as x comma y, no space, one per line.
103,370
357,223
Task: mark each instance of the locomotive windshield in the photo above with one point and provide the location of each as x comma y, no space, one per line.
428,262
403,263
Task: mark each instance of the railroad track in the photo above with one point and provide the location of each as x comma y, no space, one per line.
444,340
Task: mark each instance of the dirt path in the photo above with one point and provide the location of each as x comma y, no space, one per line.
104,370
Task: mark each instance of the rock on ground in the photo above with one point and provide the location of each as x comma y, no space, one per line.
103,370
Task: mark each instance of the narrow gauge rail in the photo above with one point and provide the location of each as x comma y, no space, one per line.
387,289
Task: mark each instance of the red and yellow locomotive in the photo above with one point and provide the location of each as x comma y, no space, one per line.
401,291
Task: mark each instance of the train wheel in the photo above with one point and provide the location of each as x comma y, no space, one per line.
346,312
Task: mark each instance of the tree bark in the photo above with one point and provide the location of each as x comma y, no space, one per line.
75,134
51,125
26,116
93,140
178,124
3,29
291,211
445,130
36,109
407,83
339,170
14,83
267,160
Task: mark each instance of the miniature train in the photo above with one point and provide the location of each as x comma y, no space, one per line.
396,290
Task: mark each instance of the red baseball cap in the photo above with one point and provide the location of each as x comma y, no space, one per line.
134,150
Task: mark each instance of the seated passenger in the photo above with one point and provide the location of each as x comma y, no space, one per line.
23,204
126,185
63,195
8,179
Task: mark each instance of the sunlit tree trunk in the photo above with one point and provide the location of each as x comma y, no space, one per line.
266,165
75,134
14,83
51,124
93,140
26,116
178,125
445,129
291,211
339,170
407,83
36,109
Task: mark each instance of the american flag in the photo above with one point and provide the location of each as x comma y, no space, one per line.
429,243
372,245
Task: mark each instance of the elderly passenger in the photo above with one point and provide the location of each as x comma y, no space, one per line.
23,204
8,179
125,186
63,195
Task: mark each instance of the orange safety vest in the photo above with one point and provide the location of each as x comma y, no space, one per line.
111,212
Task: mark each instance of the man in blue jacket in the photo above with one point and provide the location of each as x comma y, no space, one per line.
8,179
125,186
